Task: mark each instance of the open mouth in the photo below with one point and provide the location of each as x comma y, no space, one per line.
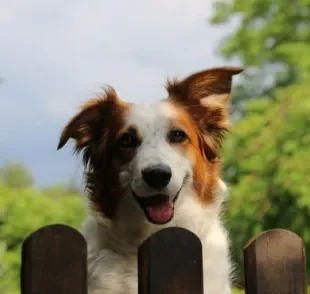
158,209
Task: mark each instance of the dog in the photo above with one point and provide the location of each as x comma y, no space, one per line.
152,166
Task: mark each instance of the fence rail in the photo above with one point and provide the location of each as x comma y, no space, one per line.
54,260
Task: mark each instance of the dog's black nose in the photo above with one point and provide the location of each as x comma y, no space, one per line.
157,176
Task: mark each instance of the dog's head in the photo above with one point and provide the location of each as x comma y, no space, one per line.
148,154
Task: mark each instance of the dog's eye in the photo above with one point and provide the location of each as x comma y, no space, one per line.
177,136
128,141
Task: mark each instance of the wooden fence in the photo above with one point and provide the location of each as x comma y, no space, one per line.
169,262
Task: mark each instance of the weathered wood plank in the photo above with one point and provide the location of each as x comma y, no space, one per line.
54,261
275,263
170,262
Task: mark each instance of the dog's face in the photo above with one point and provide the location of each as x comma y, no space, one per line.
164,144
150,153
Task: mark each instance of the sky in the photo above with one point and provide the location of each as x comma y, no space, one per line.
56,54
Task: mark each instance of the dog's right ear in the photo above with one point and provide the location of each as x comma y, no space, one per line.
89,126
205,95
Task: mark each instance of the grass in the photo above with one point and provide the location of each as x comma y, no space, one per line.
239,291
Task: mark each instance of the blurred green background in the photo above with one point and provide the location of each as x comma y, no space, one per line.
266,156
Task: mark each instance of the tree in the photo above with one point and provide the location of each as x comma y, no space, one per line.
266,157
16,176
272,41
23,211
61,190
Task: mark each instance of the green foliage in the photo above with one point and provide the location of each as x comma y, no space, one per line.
240,291
272,41
266,165
266,156
16,176
23,211
61,190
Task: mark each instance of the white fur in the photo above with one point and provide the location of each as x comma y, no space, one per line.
112,244
153,123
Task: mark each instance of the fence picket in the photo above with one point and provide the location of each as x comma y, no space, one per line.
275,263
54,261
170,262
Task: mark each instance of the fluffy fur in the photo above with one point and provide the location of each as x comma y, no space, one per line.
119,142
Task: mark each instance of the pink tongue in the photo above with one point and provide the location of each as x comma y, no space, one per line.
161,213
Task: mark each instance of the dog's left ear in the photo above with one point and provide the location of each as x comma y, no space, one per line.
205,95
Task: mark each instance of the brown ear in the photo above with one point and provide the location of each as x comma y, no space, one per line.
205,95
89,127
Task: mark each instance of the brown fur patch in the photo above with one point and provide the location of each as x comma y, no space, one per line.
205,171
204,98
205,95
95,130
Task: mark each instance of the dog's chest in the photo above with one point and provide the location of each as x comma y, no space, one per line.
113,273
